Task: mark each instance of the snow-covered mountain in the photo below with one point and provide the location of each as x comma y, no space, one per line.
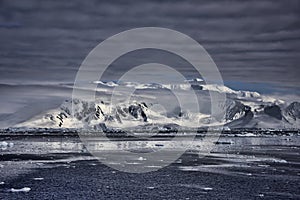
244,109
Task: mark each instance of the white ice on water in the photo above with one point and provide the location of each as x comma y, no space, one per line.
38,179
24,189
4,145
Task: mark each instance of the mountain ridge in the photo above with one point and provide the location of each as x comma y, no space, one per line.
244,109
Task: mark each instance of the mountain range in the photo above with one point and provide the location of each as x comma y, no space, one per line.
243,109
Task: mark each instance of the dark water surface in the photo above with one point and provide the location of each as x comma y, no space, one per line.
264,167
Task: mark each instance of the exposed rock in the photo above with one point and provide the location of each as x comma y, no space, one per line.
293,110
236,110
136,111
273,111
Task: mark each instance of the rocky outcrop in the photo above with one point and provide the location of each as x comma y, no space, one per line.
238,115
137,111
273,111
236,110
293,110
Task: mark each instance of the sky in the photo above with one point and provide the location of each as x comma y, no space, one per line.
255,44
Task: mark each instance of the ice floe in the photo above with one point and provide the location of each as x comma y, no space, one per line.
38,179
4,145
24,189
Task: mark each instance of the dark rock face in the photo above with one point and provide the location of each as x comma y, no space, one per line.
273,111
293,110
244,120
110,132
136,111
133,110
234,108
61,116
175,113
101,126
98,112
196,87
169,128
238,114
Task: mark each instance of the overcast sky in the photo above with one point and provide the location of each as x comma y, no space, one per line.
256,41
255,44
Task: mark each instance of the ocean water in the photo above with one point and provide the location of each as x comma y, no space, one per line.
238,167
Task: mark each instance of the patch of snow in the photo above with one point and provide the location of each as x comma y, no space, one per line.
272,100
25,189
219,88
206,188
38,179
196,186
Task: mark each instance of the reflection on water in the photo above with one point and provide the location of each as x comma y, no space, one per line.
276,156
73,144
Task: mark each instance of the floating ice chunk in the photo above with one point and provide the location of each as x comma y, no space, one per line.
226,128
249,135
24,189
4,145
269,160
93,164
263,165
38,179
2,183
278,160
141,159
132,163
246,135
196,186
207,188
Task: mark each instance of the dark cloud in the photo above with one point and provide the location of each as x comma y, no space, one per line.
251,41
